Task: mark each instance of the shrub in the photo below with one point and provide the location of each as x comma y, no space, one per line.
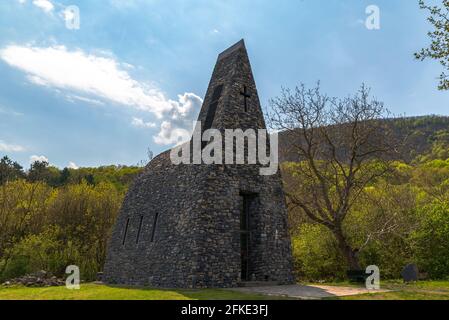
38,252
431,240
315,254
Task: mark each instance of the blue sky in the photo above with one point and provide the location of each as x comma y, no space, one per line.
133,75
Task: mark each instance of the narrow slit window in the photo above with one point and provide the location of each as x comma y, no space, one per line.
126,231
213,107
153,231
139,230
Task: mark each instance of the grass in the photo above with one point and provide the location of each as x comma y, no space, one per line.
426,290
423,290
103,292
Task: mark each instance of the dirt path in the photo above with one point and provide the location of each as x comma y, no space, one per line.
309,291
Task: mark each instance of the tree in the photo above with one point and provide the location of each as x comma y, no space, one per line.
440,147
439,46
42,171
65,176
10,170
38,171
23,210
343,147
432,178
431,240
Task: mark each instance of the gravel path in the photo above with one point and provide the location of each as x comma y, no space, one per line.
308,292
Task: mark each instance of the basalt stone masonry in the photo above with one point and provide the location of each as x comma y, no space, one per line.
199,226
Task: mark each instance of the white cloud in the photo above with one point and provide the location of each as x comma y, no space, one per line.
171,135
90,74
186,105
138,122
45,5
35,158
103,77
73,98
21,1
72,165
5,147
179,125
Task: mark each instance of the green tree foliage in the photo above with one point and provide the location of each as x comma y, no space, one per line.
119,176
65,176
316,254
86,213
65,217
439,147
10,170
51,218
381,222
47,228
42,171
431,240
402,218
23,208
43,251
439,37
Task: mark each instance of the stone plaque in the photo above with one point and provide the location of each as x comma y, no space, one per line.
410,273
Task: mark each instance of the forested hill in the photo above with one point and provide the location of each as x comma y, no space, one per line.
426,138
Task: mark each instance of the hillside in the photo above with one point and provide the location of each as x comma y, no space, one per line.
426,136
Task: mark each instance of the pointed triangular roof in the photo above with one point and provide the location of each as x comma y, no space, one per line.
231,49
231,101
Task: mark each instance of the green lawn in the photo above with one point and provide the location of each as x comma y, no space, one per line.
102,292
423,290
428,290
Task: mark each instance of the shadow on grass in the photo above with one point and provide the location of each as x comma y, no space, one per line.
201,294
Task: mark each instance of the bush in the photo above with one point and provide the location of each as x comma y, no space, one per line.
44,228
431,240
315,254
38,252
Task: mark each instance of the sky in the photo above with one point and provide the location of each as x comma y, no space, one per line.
132,74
